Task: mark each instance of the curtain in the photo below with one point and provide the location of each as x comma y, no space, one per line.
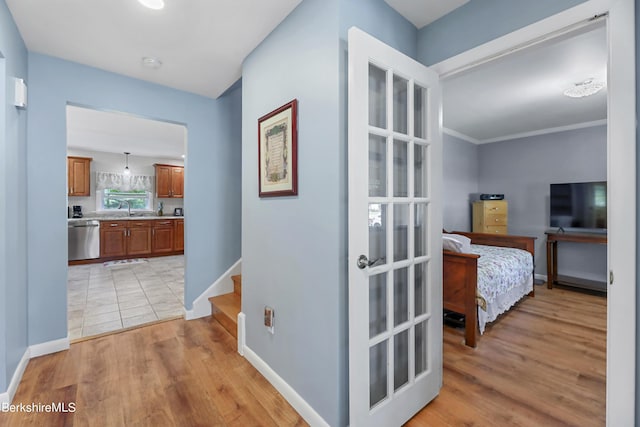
121,182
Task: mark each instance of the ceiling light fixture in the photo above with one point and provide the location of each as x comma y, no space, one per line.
151,62
126,171
152,4
586,88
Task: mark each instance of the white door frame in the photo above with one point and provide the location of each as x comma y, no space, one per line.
621,175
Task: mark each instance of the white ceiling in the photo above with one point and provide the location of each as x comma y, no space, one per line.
424,12
201,43
110,132
522,93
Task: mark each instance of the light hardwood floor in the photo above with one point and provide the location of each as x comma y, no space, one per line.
175,373
543,364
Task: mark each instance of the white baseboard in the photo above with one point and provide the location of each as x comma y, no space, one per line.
299,404
242,342
7,397
224,285
49,347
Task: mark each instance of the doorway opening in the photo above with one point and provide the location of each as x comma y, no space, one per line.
621,171
125,219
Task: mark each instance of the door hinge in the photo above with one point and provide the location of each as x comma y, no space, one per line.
611,277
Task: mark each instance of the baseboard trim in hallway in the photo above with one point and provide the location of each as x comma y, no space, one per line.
299,404
7,396
31,352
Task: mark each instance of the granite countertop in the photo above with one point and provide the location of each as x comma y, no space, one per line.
125,218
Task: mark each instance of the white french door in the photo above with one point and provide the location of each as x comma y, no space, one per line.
395,226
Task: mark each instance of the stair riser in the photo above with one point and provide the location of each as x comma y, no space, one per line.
226,322
237,284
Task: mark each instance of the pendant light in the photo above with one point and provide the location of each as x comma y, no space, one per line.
126,167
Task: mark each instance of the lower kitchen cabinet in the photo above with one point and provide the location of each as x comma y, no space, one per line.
139,238
113,238
179,234
130,238
121,238
163,236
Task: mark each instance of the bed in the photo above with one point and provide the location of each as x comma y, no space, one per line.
486,278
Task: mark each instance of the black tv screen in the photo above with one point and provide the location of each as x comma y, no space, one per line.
581,206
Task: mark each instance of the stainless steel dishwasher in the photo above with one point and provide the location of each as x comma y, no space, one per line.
84,239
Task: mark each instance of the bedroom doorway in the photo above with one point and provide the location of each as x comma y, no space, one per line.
620,174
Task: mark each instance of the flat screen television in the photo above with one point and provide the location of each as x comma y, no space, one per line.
579,206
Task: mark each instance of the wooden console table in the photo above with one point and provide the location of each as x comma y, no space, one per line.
553,238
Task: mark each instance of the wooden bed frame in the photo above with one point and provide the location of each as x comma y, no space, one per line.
460,277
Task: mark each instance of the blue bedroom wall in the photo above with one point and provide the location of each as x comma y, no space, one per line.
522,170
212,204
13,202
460,175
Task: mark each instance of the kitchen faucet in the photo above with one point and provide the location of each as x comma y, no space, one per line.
128,205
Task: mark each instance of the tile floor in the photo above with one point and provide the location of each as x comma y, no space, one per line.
103,299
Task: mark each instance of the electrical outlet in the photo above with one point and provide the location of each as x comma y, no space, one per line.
268,318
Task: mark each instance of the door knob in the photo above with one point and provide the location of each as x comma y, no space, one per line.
363,262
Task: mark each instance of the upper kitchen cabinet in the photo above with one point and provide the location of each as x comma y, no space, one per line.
79,176
169,181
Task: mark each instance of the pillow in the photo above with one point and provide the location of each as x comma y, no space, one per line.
456,243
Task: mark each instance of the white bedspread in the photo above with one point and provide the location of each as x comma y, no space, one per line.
505,275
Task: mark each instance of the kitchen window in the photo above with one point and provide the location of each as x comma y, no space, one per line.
110,199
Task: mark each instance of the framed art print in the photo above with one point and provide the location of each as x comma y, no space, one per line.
278,152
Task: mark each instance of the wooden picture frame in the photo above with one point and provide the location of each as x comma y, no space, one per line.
278,152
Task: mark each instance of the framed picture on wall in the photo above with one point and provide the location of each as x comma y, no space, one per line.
278,152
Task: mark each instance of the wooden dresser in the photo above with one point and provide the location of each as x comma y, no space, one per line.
490,216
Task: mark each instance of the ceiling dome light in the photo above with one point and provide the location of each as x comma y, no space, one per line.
151,62
152,4
585,88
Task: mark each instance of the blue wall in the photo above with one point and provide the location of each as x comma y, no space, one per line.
522,170
13,190
291,248
460,175
480,21
212,175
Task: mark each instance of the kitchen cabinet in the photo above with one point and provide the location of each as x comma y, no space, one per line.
169,181
130,238
138,238
79,176
121,238
179,234
113,238
163,236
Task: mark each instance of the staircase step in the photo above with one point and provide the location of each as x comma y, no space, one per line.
225,309
237,284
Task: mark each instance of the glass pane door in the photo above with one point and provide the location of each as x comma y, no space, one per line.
399,211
